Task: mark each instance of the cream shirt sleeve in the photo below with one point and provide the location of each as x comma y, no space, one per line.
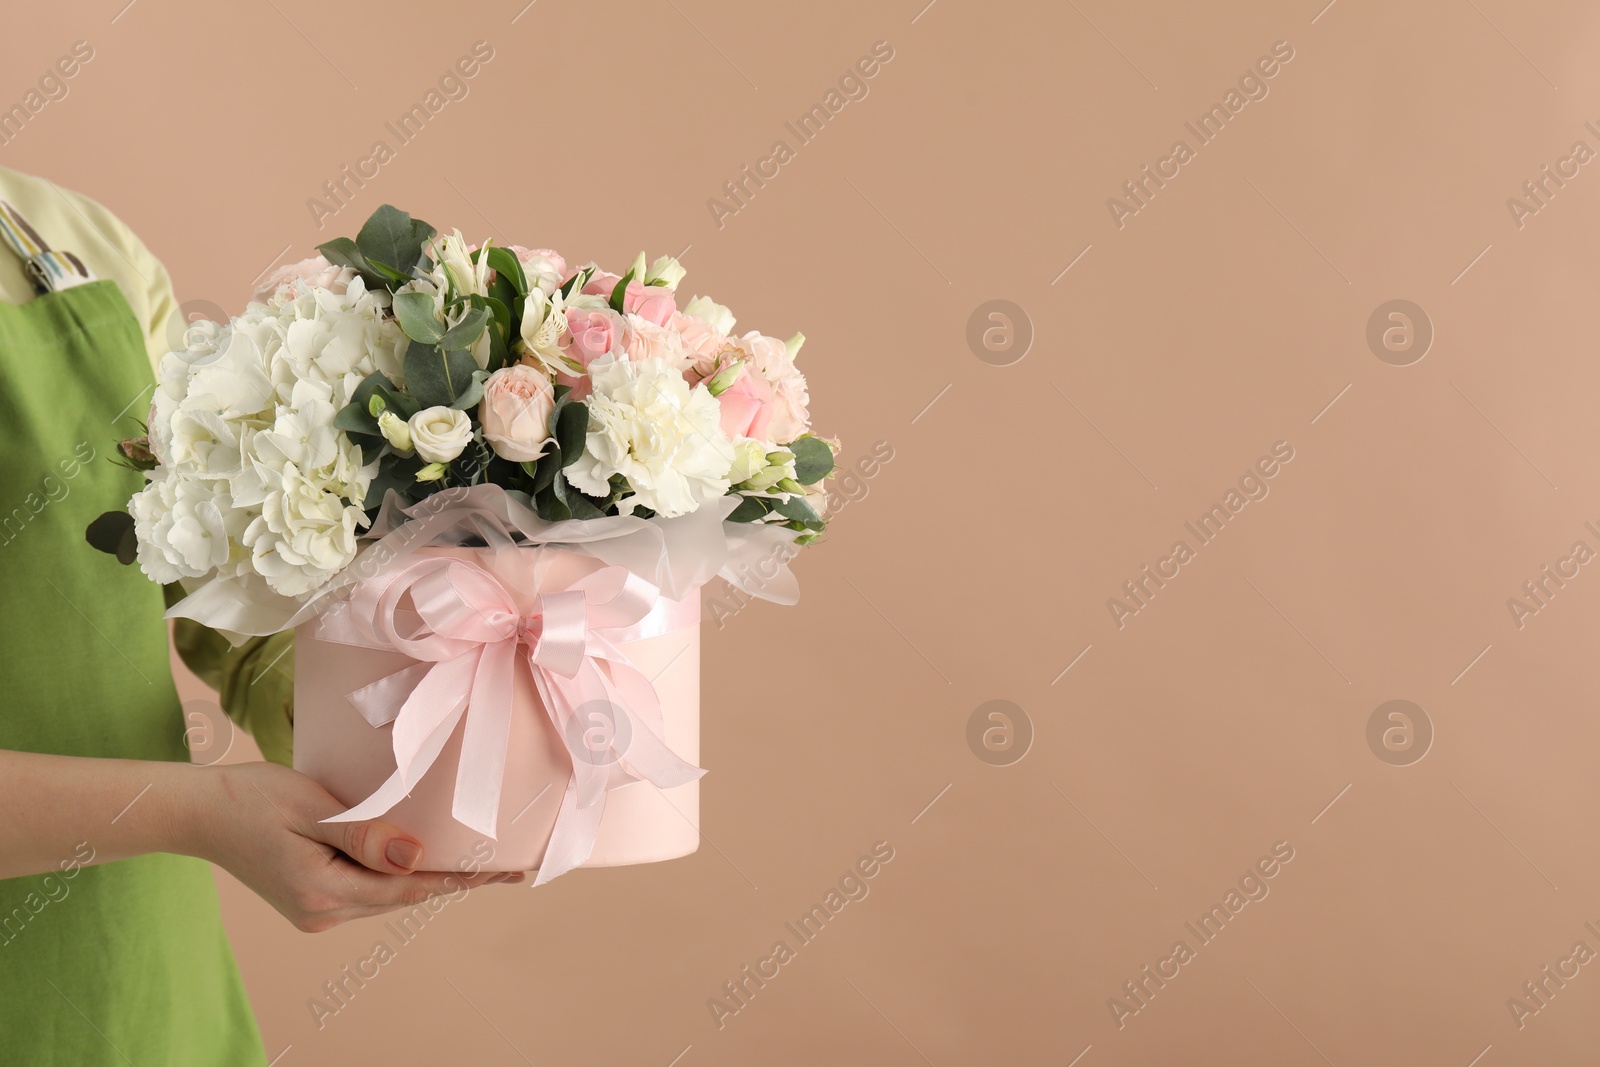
255,681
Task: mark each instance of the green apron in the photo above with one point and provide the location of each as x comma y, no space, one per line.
126,962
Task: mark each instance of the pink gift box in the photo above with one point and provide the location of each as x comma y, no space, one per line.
351,758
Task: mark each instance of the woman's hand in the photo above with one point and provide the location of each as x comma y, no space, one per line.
260,822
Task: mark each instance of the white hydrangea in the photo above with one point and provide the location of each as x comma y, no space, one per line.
254,475
648,425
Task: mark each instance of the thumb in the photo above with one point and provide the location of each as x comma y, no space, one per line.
375,844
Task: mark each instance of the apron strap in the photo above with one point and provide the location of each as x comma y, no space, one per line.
51,270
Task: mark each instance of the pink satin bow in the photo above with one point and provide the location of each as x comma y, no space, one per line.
455,617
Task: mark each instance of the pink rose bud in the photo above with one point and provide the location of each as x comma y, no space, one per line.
515,411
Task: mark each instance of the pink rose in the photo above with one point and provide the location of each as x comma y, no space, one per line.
790,398
601,282
316,272
653,303
747,407
515,412
544,267
591,334
645,340
702,341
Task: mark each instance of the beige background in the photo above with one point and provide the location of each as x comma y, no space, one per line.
1225,316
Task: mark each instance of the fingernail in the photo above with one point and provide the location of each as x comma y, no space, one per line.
403,853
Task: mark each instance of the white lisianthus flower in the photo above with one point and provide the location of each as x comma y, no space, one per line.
395,431
648,425
716,316
774,468
665,271
749,457
440,434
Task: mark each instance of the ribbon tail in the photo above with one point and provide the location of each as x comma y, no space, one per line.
485,740
647,756
572,840
395,789
380,702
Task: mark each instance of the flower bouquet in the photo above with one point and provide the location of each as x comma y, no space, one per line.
485,489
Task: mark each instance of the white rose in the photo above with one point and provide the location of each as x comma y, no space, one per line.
665,438
440,434
716,316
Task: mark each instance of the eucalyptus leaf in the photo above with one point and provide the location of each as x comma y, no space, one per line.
110,532
474,391
550,503
795,507
544,469
750,509
437,377
397,473
813,460
377,384
579,505
415,313
392,238
466,332
354,417
342,252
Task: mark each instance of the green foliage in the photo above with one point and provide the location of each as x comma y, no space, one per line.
438,377
813,460
113,532
391,240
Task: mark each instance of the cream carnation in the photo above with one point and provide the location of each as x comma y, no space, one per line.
665,438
